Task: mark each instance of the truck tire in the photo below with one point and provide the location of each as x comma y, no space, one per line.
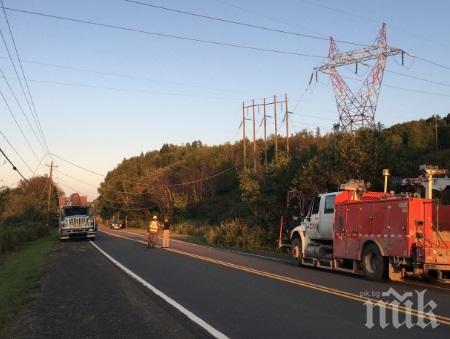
373,263
296,251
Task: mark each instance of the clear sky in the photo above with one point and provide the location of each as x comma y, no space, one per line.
178,91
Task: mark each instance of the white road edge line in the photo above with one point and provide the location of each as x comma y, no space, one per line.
200,322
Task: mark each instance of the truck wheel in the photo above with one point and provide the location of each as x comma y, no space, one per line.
373,263
296,251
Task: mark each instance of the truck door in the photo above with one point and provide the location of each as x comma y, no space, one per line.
312,228
326,219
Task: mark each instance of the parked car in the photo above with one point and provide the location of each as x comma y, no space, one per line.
116,224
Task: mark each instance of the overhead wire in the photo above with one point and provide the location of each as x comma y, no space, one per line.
367,18
167,186
124,76
18,125
170,36
239,23
433,62
419,78
39,164
21,109
15,151
14,167
38,122
159,34
130,90
67,185
76,165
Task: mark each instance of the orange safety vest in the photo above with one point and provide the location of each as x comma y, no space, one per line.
153,227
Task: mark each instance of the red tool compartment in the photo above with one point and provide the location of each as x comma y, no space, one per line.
437,244
395,224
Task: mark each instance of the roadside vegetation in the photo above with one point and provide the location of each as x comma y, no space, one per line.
23,213
211,196
19,273
25,242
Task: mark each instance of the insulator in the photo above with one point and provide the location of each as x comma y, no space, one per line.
311,78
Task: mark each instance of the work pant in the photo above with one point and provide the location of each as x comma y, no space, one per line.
165,242
152,239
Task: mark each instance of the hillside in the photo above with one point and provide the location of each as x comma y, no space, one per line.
208,185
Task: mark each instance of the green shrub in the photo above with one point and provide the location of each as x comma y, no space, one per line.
235,233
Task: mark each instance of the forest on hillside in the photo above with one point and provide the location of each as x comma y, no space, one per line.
208,191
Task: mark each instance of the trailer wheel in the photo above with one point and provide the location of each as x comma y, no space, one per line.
373,263
296,251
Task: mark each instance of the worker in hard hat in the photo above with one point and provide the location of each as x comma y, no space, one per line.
166,234
153,228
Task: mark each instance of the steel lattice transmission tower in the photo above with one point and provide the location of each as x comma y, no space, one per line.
358,110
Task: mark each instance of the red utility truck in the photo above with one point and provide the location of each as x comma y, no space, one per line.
379,235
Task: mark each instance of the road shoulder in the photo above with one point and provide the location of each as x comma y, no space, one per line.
83,295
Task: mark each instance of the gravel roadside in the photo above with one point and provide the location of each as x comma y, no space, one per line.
82,295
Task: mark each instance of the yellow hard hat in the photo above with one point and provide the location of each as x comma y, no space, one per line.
155,217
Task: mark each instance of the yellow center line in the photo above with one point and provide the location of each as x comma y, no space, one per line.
340,293
402,282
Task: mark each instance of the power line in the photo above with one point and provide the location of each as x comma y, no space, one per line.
419,78
314,116
239,23
59,83
67,185
78,166
300,98
125,208
365,18
137,193
39,164
404,88
175,37
163,35
17,123
433,63
124,76
21,108
418,91
39,126
76,179
18,77
13,166
15,151
203,179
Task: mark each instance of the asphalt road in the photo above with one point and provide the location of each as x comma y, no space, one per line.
81,295
244,296
118,288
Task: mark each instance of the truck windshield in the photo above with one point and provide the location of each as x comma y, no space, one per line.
75,210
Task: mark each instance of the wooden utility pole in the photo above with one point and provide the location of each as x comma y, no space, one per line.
243,135
50,189
287,123
254,136
436,131
126,202
265,134
276,126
